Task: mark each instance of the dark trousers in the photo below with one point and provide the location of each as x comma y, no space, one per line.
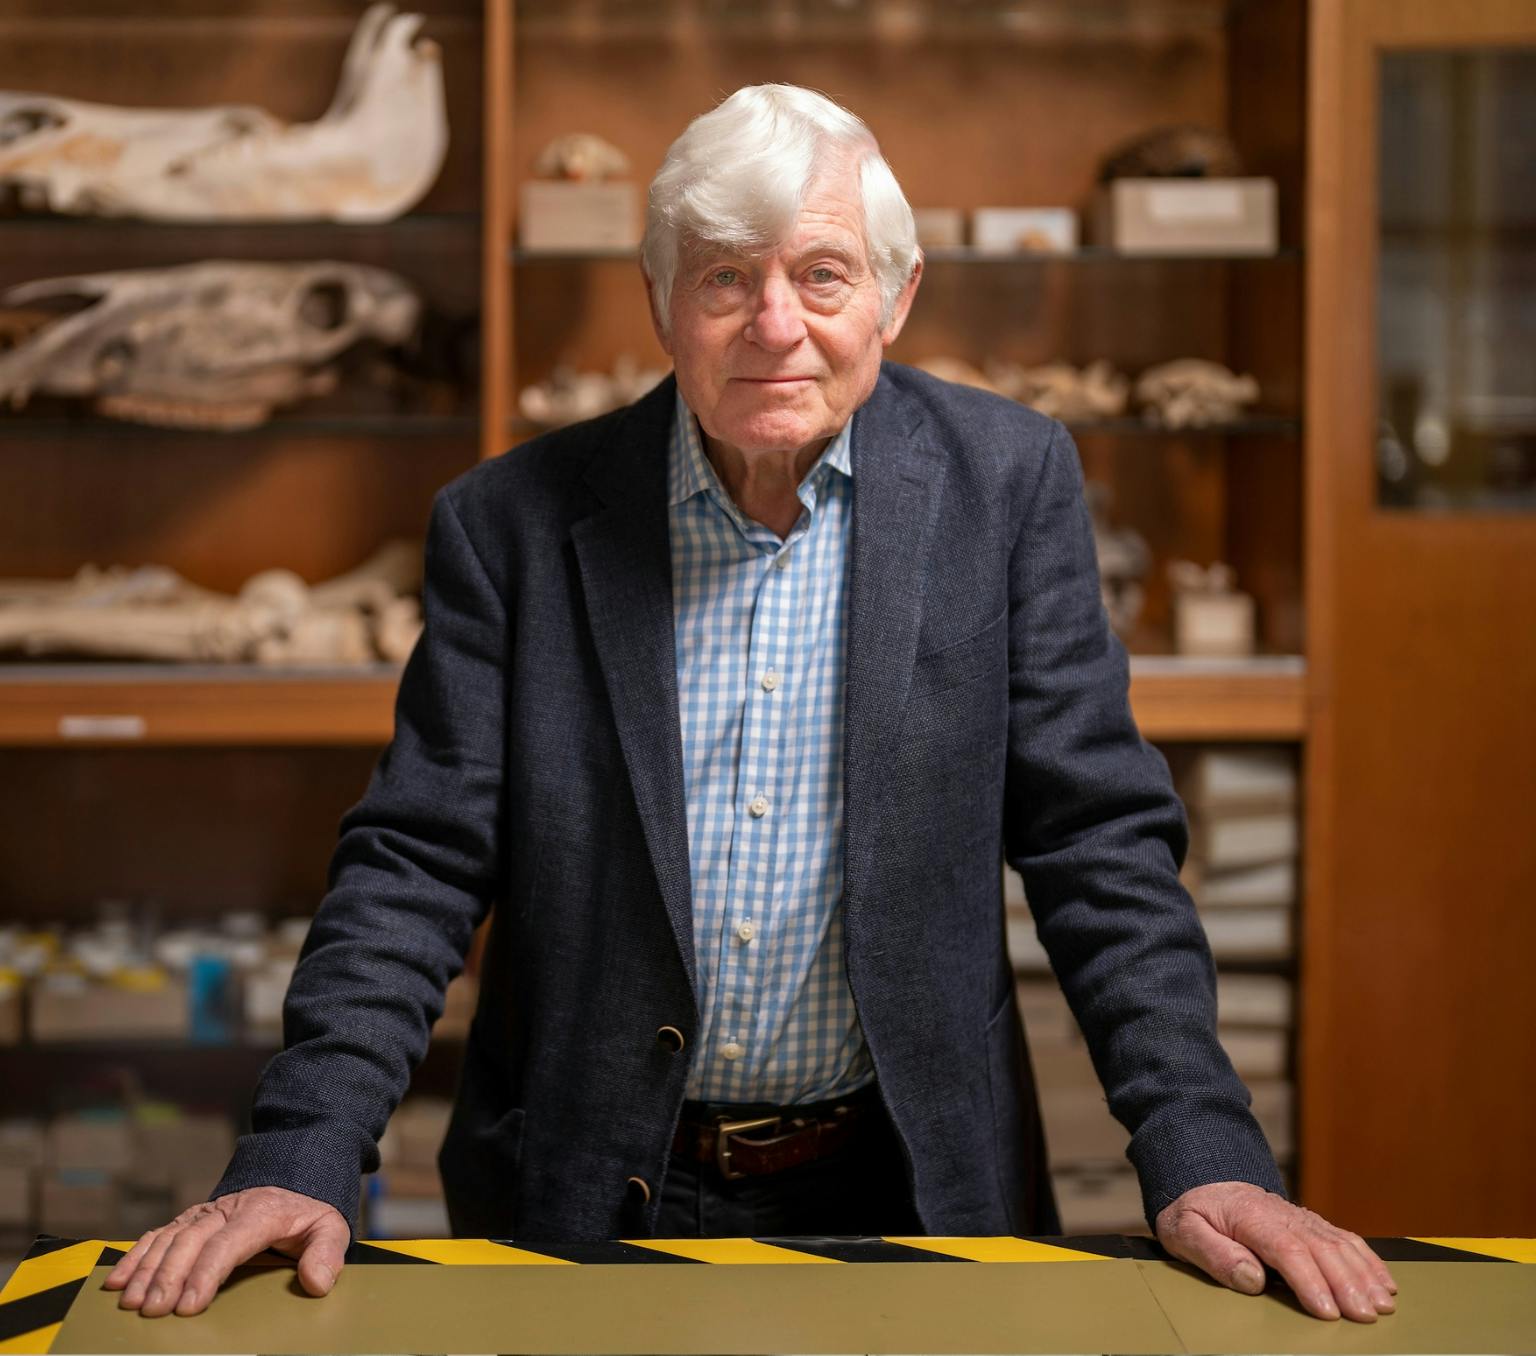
860,1190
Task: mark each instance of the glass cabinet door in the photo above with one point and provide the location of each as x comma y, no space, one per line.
1456,280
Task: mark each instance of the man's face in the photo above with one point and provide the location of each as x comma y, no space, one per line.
775,352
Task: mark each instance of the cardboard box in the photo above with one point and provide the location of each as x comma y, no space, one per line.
1079,1128
1274,1109
1254,1000
558,216
1024,230
90,1144
1272,883
79,1205
1188,216
18,1206
171,1152
69,1010
263,992
23,1143
1222,777
1214,625
1256,1053
414,1135
939,228
1107,1201
1222,842
1249,934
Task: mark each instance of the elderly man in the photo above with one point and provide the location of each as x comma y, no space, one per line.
731,701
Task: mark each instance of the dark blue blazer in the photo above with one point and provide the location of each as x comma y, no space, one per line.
537,765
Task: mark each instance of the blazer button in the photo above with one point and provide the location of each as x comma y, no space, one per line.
670,1039
638,1186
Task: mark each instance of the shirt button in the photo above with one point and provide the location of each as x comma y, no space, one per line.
731,1050
759,807
782,563
770,681
747,931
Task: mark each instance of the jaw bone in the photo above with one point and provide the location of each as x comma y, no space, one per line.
211,345
371,157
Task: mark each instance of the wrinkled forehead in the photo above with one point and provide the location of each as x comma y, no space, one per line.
827,217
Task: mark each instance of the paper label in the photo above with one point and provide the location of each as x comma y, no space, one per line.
102,727
1206,203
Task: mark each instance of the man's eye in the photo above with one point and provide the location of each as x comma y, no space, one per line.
823,275
725,277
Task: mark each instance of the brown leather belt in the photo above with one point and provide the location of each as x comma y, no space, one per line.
759,1145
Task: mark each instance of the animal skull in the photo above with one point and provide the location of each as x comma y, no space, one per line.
213,345
372,155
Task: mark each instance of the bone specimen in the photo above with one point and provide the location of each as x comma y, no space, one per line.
211,345
1123,559
371,157
1063,391
1192,393
153,613
580,155
570,396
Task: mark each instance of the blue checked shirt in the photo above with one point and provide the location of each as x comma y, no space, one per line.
761,640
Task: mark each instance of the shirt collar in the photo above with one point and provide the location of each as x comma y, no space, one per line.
690,472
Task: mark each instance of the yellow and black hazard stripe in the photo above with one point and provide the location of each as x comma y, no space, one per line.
37,1298
43,1286
725,1251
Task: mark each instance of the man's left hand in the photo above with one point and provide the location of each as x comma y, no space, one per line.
1231,1229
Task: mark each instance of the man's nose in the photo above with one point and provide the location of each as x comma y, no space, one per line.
777,323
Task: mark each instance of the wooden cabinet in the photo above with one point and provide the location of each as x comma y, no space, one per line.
1419,1016
110,771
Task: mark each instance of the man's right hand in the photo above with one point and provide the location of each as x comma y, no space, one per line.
182,1265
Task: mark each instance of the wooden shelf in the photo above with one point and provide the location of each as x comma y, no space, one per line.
162,705
1175,698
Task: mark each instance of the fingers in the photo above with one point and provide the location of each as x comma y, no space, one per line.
138,1284
241,1238
1357,1294
1227,1227
122,1273
182,1266
161,1290
1294,1261
325,1247
1320,1263
1222,1258
1373,1264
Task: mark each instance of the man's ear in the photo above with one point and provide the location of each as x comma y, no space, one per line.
656,323
903,303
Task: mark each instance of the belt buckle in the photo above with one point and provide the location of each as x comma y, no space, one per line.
725,1130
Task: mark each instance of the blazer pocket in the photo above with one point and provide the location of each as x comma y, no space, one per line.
960,661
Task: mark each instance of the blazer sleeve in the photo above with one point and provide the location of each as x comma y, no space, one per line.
412,876
1093,825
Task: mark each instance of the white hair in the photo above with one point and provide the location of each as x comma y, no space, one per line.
738,175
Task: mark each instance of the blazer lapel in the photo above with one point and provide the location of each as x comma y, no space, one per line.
624,553
898,481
